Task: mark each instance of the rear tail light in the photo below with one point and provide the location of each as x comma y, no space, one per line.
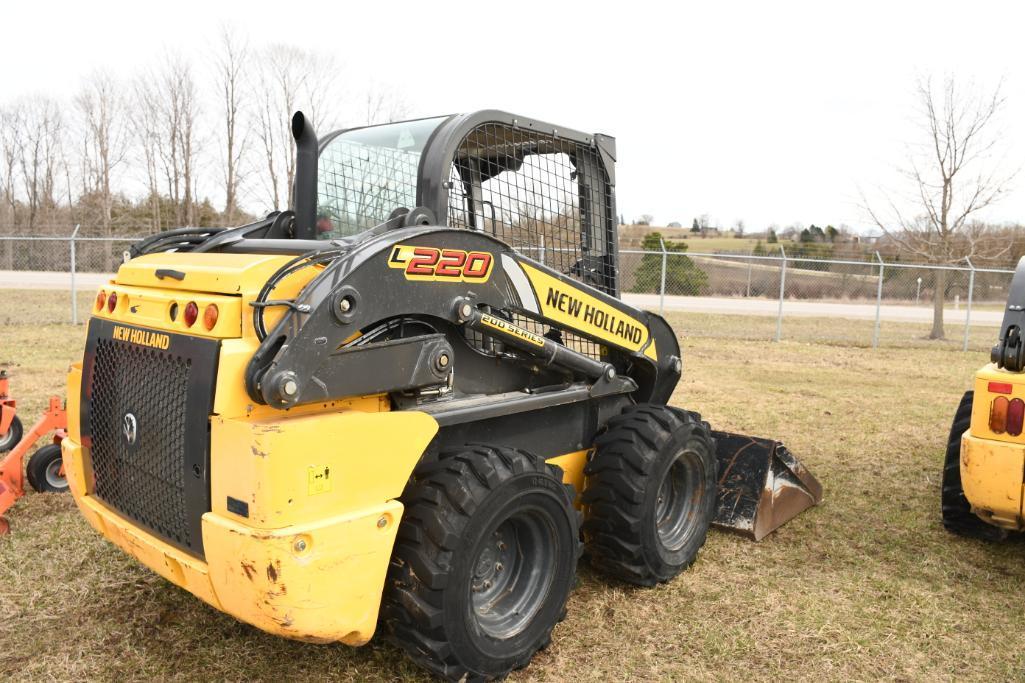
1001,387
998,415
112,302
101,300
210,316
1015,416
191,313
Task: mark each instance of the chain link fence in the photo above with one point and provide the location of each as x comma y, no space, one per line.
750,296
855,303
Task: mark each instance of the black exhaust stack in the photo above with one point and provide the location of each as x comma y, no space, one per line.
304,193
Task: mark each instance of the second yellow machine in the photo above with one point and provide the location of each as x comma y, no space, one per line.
411,401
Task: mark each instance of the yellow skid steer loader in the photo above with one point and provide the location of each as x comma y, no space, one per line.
411,401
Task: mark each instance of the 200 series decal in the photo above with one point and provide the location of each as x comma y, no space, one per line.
437,264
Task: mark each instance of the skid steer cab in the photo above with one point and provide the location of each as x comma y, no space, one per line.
983,484
410,400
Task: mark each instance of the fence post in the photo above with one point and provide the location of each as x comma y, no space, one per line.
782,292
749,262
968,310
74,290
662,287
879,303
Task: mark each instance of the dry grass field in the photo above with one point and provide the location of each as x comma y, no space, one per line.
868,586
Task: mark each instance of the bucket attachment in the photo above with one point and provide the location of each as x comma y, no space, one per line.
761,485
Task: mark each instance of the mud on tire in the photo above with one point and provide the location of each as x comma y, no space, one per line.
650,494
484,562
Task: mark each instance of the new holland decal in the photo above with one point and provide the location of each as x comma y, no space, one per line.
134,335
440,264
562,302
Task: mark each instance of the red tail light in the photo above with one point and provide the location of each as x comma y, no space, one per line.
192,312
1000,387
112,302
998,415
101,300
1015,416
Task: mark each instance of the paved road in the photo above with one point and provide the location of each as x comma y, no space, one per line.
40,279
821,309
28,279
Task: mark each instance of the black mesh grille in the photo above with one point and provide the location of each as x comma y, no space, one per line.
548,197
145,481
145,416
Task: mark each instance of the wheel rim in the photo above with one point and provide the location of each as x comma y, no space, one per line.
7,440
512,573
53,475
675,506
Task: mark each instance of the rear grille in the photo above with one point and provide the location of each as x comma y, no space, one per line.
146,420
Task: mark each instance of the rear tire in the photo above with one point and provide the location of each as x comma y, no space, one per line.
650,494
484,562
955,509
43,470
13,436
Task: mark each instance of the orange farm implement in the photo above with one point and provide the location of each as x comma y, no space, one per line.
45,468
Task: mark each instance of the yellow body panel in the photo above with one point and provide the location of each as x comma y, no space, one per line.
572,465
991,475
993,464
300,469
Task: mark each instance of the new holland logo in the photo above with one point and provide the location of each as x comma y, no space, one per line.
441,265
134,335
130,428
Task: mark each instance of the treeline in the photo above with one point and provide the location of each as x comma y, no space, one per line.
179,143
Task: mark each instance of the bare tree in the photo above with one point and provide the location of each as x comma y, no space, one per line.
167,111
952,177
41,155
384,106
234,54
288,78
103,117
10,146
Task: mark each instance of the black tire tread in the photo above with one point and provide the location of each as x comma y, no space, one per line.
35,469
14,434
626,454
439,505
955,509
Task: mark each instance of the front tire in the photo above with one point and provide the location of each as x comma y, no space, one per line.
955,509
650,494
484,562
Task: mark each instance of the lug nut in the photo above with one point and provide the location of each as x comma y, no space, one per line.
443,360
345,305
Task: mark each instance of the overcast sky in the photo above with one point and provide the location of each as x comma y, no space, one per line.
770,112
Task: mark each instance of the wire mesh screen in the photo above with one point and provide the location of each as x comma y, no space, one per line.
364,174
360,185
548,197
